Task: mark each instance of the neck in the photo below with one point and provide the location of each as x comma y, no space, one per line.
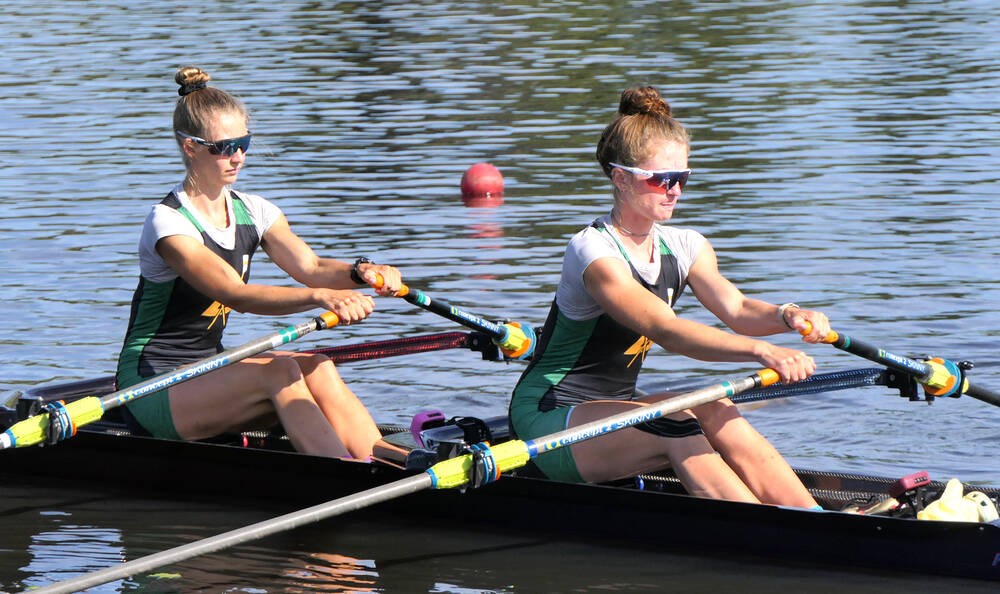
194,189
616,219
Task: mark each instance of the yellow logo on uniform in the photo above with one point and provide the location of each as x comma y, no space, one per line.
216,311
639,349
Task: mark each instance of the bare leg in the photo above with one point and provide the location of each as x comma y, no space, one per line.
630,451
254,393
751,455
347,415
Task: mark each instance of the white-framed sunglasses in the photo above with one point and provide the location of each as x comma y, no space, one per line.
659,179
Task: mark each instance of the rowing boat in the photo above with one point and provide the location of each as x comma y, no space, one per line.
651,512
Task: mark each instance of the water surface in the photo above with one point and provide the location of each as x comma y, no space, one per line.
845,158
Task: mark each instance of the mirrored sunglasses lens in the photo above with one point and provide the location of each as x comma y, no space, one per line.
228,148
667,180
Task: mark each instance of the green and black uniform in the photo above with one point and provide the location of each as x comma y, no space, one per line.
172,323
583,354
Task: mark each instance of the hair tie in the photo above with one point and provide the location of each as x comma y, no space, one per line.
191,88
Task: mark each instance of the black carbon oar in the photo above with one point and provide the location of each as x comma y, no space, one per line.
940,377
516,341
449,474
36,429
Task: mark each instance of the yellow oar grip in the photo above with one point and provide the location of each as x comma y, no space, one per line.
768,377
34,430
830,338
330,319
403,289
455,472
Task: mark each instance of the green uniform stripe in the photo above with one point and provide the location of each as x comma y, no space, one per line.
149,315
560,358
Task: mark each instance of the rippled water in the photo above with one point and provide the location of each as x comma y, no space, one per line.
844,152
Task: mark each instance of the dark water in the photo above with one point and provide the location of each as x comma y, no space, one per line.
845,157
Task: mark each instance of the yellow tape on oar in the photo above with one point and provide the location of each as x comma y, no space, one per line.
34,430
944,378
455,472
519,342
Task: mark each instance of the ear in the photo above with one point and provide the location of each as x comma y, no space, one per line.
618,178
187,147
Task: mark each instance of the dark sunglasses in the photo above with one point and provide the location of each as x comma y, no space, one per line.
225,148
659,179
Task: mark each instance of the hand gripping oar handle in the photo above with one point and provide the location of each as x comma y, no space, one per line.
36,429
443,475
515,340
940,377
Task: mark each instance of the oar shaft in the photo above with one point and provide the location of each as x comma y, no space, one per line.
516,341
652,412
446,474
454,473
232,538
228,357
924,372
871,352
981,393
34,430
445,310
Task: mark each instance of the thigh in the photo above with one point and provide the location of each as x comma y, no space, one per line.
629,451
558,464
152,411
231,399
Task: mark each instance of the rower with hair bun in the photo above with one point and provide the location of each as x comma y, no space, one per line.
621,277
194,260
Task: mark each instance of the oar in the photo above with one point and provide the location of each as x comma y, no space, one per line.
452,473
407,345
69,417
940,377
516,341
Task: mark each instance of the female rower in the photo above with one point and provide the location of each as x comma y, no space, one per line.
621,276
194,259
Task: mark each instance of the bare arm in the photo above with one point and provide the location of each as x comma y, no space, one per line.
296,258
751,317
212,276
610,283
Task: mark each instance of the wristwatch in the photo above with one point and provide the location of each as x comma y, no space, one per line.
356,274
785,307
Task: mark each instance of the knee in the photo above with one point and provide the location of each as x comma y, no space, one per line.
282,372
309,363
714,415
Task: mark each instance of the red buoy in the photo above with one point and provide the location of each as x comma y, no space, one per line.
482,185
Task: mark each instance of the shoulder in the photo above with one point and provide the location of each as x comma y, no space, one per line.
261,210
592,242
164,220
255,203
684,243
